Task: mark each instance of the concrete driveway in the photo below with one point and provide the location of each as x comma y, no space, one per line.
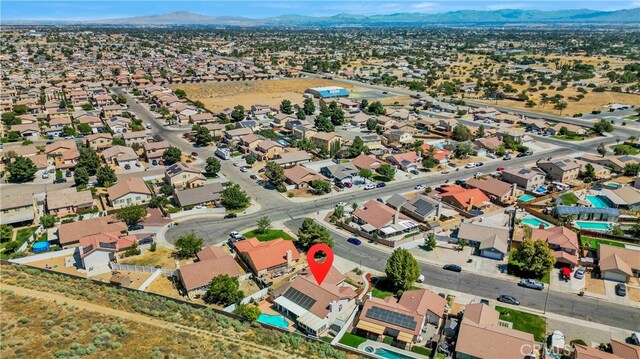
574,285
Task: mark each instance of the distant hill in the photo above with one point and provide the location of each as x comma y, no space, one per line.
511,16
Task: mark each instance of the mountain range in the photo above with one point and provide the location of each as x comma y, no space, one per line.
506,16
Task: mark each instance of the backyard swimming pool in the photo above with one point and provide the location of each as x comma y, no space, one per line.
597,202
390,354
275,320
535,223
595,226
525,198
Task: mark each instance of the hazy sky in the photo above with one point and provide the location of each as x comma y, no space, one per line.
87,10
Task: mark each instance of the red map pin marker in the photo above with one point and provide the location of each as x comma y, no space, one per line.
320,270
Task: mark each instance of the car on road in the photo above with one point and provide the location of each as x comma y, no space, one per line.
451,164
253,177
421,279
148,126
138,164
506,157
528,153
479,164
354,240
509,299
194,154
579,274
621,290
341,204
235,234
500,169
236,164
470,165
381,184
231,215
530,283
385,92
484,301
60,180
243,169
136,227
419,186
521,154
445,172
478,174
452,267
414,172
369,186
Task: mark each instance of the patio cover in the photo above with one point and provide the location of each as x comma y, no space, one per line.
311,321
405,337
370,327
368,228
290,306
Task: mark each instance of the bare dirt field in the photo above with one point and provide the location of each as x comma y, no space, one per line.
162,257
217,96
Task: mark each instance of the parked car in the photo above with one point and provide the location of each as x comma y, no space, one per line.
509,299
253,177
415,172
136,227
521,154
339,184
451,164
60,180
421,279
579,274
243,169
68,174
381,184
148,126
341,204
484,301
154,162
194,154
479,164
452,267
419,186
138,164
621,289
369,186
348,184
380,200
127,166
354,240
236,164
470,165
45,175
234,234
461,182
146,240
530,283
507,157
500,169
477,174
231,215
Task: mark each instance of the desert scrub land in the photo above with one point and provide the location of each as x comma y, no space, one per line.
241,338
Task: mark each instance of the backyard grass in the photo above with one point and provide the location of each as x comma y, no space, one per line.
381,289
411,234
569,199
525,322
352,340
25,233
592,242
629,149
568,137
421,350
270,235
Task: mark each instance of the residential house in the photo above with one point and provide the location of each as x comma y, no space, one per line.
327,141
563,242
68,201
616,163
109,111
68,160
495,189
627,198
128,191
98,250
139,137
99,141
445,125
300,177
199,196
421,208
212,261
587,213
625,350
17,208
599,170
569,127
266,150
439,154
402,319
268,259
120,155
399,136
492,241
482,335
464,199
373,216
315,307
235,134
153,150
490,143
618,263
57,148
201,118
366,161
343,172
27,130
586,352
181,175
290,159
527,179
248,143
69,234
407,161
561,170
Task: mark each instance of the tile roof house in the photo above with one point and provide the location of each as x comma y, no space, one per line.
618,263
586,352
68,201
439,154
212,262
490,143
69,234
492,241
481,336
300,176
68,159
316,307
562,240
181,175
127,192
464,199
57,148
99,249
406,161
154,150
271,258
625,350
366,161
119,155
527,179
99,141
326,140
626,197
615,162
290,159
404,318
373,215
495,189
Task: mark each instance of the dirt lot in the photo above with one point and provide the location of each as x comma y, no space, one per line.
594,285
218,96
162,257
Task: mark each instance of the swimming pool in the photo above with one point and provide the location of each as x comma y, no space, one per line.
275,320
613,185
541,190
596,226
535,223
597,202
390,354
525,198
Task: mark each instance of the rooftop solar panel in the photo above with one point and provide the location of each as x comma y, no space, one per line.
388,316
299,298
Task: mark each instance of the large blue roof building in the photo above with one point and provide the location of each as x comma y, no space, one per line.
327,92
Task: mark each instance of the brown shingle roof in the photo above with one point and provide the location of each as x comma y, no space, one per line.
68,197
70,233
126,186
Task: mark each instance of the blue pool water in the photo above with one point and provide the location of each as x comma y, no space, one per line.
390,354
597,201
612,185
541,190
596,226
525,198
535,223
275,320
40,247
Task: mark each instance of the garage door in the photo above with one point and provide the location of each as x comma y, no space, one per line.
615,277
491,254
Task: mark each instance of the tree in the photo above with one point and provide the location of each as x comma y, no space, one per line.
264,223
188,245
430,241
238,113
500,151
560,106
319,186
6,233
171,155
224,290
462,150
376,108
22,169
286,108
602,149
563,131
530,103
311,233
213,166
10,119
480,131
180,93
402,269
357,147
89,159
234,197
84,128
248,311
274,173
461,133
118,141
365,173
81,176
48,221
429,162
166,189
631,169
132,214
533,258
372,124
88,107
387,172
309,107
69,131
203,136
323,124
106,176
121,99
602,126
589,173
158,201
250,160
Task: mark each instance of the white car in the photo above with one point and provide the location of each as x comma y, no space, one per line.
236,164
419,186
341,204
148,126
369,186
243,169
235,234
470,165
477,174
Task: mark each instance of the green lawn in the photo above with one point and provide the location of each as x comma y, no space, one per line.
25,233
631,150
593,242
568,137
352,340
569,199
270,235
381,289
525,322
421,350
546,279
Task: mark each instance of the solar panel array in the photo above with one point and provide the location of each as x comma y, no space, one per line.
523,171
299,298
578,210
423,207
388,316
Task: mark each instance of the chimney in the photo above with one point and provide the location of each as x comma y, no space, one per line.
289,257
395,216
438,210
514,188
177,264
470,203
